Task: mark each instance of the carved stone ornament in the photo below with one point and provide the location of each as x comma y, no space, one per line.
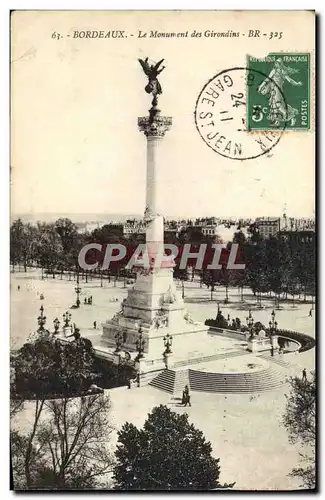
156,127
188,318
160,320
170,296
144,271
117,316
149,215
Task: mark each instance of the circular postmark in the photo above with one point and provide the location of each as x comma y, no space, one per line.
221,114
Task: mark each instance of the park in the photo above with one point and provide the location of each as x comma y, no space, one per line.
239,425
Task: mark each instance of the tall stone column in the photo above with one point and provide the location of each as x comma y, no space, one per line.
154,128
153,306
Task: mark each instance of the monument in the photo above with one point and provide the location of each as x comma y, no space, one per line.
152,326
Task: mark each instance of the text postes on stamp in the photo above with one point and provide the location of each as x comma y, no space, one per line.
220,116
266,109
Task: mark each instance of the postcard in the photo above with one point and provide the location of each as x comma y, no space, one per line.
162,255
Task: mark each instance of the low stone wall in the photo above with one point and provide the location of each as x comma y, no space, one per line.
230,334
306,341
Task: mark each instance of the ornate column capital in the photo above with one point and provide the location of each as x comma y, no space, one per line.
155,126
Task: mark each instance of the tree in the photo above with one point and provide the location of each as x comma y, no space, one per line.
237,277
23,243
16,230
49,366
49,247
169,453
300,421
224,280
67,232
67,447
239,238
19,445
75,437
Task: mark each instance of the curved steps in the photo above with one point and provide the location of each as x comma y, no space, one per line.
164,381
266,379
274,359
212,357
236,383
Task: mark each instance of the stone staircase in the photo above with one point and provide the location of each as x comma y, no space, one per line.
164,381
181,380
274,359
236,383
213,357
173,381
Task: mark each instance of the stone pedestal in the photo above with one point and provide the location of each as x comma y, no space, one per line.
167,359
257,344
253,344
67,330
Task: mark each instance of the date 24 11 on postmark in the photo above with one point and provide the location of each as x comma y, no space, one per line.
282,98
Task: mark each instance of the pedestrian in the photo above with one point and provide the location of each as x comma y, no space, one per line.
95,325
272,351
304,375
85,301
188,400
310,313
18,288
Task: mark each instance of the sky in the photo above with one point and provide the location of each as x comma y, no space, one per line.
75,144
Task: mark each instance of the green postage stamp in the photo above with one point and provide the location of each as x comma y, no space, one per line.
278,92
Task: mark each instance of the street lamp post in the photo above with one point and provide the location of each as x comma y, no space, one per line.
168,340
78,291
227,296
273,324
140,343
250,324
66,319
41,320
56,323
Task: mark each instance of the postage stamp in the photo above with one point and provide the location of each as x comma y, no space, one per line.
283,97
220,115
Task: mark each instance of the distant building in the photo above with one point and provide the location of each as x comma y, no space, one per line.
297,223
209,230
300,237
134,227
267,226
